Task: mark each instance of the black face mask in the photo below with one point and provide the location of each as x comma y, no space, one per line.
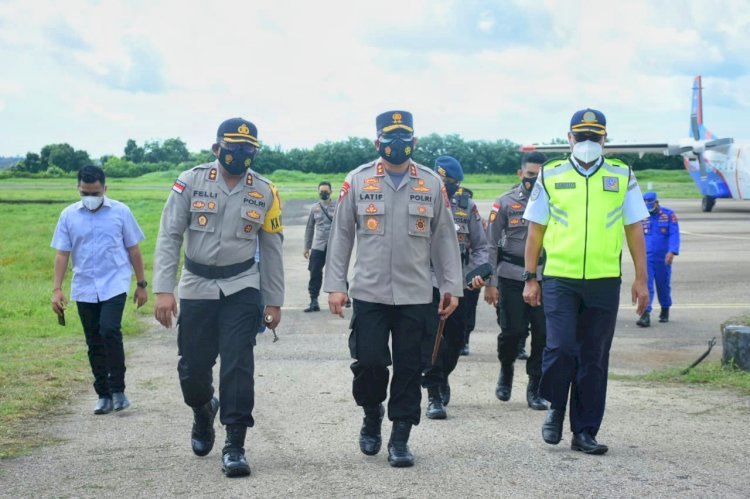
236,162
325,195
396,151
528,183
653,210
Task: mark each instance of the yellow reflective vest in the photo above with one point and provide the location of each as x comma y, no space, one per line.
584,234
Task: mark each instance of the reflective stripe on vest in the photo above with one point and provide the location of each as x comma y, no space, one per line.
583,239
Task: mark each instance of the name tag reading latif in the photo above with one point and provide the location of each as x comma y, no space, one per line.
565,185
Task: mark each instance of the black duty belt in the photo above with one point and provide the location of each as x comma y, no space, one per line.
519,260
218,271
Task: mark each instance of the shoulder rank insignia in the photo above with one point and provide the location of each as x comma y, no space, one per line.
379,170
413,170
249,179
212,174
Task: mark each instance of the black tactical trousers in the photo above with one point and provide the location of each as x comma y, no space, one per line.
315,266
406,325
101,324
450,347
227,328
514,317
472,298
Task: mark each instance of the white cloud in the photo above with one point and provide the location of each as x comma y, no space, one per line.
97,73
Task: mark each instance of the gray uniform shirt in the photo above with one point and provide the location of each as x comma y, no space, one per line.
319,225
398,232
221,227
507,229
472,240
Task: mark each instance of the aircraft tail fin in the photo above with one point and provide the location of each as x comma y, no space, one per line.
697,130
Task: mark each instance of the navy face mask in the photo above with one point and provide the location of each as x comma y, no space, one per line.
236,162
451,189
395,151
528,183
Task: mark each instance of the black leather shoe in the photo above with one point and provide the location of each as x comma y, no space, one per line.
532,395
120,401
399,455
465,350
504,383
313,306
370,438
203,434
233,461
586,443
664,315
645,320
553,425
522,354
445,393
435,408
103,405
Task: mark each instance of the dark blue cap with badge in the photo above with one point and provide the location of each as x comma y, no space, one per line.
392,121
650,199
588,120
448,166
238,130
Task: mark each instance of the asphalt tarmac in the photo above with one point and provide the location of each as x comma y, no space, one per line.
665,441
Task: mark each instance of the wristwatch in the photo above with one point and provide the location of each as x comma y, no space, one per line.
527,276
142,284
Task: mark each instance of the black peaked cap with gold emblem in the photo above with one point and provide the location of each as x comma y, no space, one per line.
238,130
392,121
588,120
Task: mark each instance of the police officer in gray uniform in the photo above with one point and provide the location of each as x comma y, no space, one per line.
507,232
316,241
225,211
399,214
472,243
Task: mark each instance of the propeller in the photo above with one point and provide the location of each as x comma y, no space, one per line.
698,148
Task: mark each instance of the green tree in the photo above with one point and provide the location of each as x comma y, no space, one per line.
133,152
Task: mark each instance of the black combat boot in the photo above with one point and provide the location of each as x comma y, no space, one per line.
203,435
664,315
645,320
532,395
233,462
504,382
399,455
553,425
313,306
369,436
445,393
435,409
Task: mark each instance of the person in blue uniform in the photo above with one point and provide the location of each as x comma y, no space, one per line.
662,233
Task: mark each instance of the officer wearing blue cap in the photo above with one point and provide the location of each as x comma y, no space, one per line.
579,209
399,214
662,233
225,212
472,243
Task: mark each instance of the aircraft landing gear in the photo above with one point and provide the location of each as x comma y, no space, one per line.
708,203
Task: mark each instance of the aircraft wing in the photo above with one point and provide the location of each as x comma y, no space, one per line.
634,148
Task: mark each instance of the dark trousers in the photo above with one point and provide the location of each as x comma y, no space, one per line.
227,328
450,347
661,274
581,317
406,325
315,266
514,317
102,326
472,298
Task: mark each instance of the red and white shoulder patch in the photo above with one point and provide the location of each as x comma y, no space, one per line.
179,186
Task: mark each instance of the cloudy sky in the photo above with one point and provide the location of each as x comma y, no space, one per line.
96,73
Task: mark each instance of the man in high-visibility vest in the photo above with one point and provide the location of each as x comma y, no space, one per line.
578,210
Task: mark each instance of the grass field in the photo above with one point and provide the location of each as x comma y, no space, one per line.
42,363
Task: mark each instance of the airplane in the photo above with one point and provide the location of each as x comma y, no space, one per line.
720,167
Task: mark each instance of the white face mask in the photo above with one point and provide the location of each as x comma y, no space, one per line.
587,151
92,203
